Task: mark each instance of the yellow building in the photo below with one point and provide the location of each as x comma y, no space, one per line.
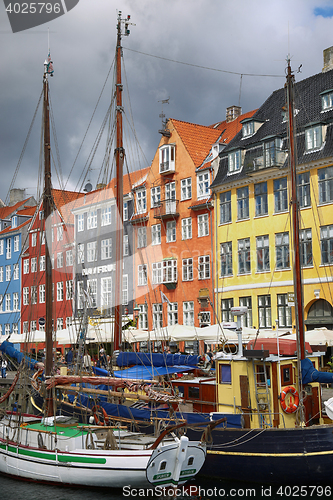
253,247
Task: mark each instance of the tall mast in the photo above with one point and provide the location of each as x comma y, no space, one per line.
47,208
120,156
298,289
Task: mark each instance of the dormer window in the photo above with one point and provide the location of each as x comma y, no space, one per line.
141,201
314,137
234,161
167,158
248,129
14,221
327,100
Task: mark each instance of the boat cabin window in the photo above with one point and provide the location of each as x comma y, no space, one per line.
193,392
190,460
225,374
286,375
163,465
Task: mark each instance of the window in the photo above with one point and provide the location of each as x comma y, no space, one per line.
25,326
92,292
8,248
244,256
8,273
7,328
69,321
187,228
286,374
226,258
313,138
16,243
141,201
306,247
271,152
156,234
325,181
60,260
60,291
106,216
226,305
15,301
167,158
170,198
157,316
170,271
204,318
142,237
327,100
26,266
125,289
60,323
243,203
92,219
34,295
157,273
224,374
1,302
33,239
80,253
142,274
186,188
188,313
155,196
225,207
203,184
34,265
283,310
234,161
15,328
303,189
106,293
247,128
42,238
187,269
16,274
126,246
33,325
69,258
91,251
26,296
106,249
262,253
204,267
42,263
1,247
326,244
172,313
171,231
69,289
260,194
203,225
125,210
60,233
80,222
1,274
14,222
41,294
246,319
280,195
143,316
282,250
80,295
264,311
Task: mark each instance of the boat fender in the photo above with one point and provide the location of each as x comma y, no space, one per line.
293,403
98,411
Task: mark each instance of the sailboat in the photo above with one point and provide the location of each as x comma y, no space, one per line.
58,449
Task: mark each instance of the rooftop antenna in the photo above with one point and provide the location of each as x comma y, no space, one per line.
164,130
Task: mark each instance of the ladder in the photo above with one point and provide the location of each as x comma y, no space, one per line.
262,393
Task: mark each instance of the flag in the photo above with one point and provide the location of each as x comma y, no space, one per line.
49,65
164,298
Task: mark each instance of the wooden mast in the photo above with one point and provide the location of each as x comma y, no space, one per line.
47,208
298,289
120,156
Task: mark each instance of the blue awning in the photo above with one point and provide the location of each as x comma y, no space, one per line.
149,372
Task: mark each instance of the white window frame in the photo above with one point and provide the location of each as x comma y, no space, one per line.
34,264
8,272
42,294
80,223
167,155
125,289
60,291
80,253
106,249
69,289
92,219
106,216
156,234
26,296
60,260
92,291
142,275
187,228
186,189
106,292
60,233
203,183
16,272
188,313
187,269
204,267
126,245
91,251
171,231
16,304
141,201
155,196
203,225
69,258
141,237
33,239
16,243
172,313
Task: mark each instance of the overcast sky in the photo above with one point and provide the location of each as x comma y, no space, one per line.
237,37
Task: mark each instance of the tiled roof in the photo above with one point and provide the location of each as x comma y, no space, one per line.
230,129
11,229
6,212
204,203
197,139
308,109
65,201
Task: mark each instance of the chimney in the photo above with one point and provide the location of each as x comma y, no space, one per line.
328,59
233,112
16,195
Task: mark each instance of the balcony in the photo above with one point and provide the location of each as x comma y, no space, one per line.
166,209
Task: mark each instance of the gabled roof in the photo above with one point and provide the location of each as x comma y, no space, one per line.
197,139
11,229
308,110
8,211
230,129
